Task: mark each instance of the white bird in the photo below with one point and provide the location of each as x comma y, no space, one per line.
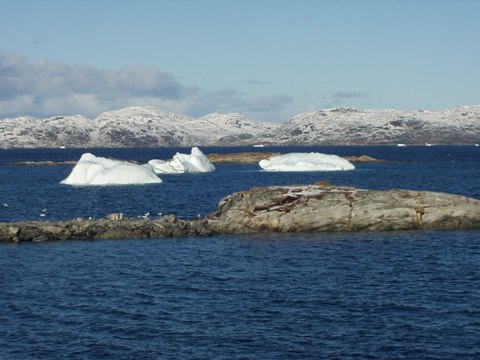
146,215
5,205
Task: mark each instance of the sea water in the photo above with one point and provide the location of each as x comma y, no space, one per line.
412,294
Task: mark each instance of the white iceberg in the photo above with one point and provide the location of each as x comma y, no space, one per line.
306,162
93,170
183,163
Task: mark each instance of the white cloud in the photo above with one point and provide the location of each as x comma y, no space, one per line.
44,88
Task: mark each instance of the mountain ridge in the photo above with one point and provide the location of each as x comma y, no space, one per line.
151,126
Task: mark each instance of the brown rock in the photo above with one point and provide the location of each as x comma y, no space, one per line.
240,158
362,159
328,208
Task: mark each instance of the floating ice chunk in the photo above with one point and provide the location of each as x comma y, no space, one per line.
183,163
167,167
305,162
196,161
93,170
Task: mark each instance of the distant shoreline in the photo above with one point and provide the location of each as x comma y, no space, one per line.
231,158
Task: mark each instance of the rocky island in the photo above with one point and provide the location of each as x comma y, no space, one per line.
256,157
297,208
313,208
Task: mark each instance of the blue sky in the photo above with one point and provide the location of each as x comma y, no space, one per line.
270,59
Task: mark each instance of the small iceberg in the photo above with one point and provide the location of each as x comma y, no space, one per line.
93,170
196,162
306,162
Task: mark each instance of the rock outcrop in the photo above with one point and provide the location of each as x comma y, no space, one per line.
82,229
240,158
362,159
299,208
330,208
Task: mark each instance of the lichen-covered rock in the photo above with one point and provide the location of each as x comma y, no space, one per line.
330,208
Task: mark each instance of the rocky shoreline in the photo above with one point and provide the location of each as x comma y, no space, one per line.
39,163
83,229
298,208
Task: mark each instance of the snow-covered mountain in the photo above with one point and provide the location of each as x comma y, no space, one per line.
131,127
151,127
28,132
347,126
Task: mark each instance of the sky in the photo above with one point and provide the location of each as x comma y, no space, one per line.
269,59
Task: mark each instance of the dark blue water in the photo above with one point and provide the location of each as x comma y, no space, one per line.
29,189
396,295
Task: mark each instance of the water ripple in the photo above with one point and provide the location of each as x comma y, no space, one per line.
403,295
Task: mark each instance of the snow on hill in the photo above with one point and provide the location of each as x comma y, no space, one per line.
28,132
143,126
152,126
347,126
130,127
235,128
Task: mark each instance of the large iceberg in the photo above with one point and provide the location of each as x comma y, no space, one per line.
305,162
93,170
183,163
